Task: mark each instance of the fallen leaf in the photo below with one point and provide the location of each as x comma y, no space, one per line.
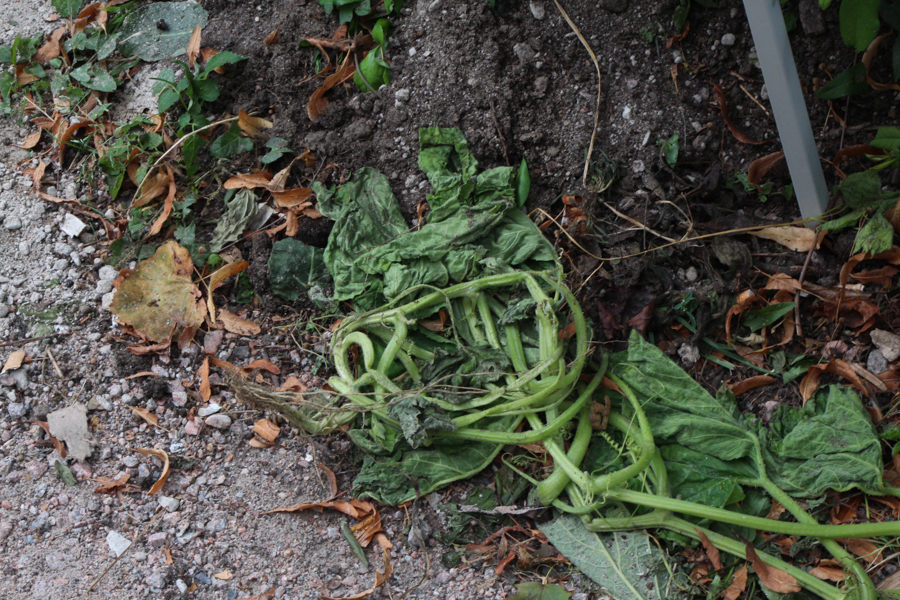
14,361
224,575
358,509
145,415
248,181
723,106
868,57
836,366
864,549
164,457
159,296
222,273
108,485
292,384
70,425
271,38
599,415
738,584
798,239
167,206
203,374
891,256
760,167
711,551
51,48
828,573
235,324
891,582
263,364
31,140
266,431
318,102
252,126
58,445
154,187
774,579
193,47
365,530
751,383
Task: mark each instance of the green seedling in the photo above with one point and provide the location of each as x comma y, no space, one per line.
669,149
350,9
864,206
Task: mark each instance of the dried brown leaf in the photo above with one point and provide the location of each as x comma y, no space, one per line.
798,239
723,106
828,573
774,579
738,584
248,181
760,167
864,549
167,206
272,38
193,47
294,198
358,509
711,551
235,324
14,361
31,140
318,102
261,364
51,48
57,444
252,126
108,485
751,383
266,430
203,374
145,415
164,457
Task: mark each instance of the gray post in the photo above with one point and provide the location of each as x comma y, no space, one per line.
786,98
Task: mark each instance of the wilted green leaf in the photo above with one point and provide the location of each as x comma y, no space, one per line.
859,22
848,220
91,76
160,30
877,235
861,190
278,147
850,82
230,143
628,564
295,269
65,473
239,211
534,590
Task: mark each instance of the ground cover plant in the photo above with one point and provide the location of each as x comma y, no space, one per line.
488,337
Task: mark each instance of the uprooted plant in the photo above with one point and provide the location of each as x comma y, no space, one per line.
467,340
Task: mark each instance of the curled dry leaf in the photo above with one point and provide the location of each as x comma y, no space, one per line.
193,47
31,140
864,549
261,364
159,296
51,48
711,551
57,444
235,324
249,181
760,167
828,573
14,361
798,239
266,432
167,206
292,384
252,126
272,38
837,367
108,485
751,383
318,102
891,256
774,579
164,457
203,374
145,415
224,575
867,59
723,106
358,509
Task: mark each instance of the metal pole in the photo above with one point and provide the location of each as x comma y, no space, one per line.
786,98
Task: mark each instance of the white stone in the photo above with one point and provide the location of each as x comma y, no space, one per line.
887,342
169,503
118,543
72,225
212,409
728,39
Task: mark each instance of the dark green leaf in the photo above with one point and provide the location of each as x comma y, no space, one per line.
167,99
757,319
7,82
790,20
859,22
278,147
670,150
681,14
704,479
380,31
190,151
850,82
887,138
463,374
418,418
627,564
294,268
91,76
6,55
142,37
523,183
877,235
375,74
848,220
230,143
206,89
861,190
67,9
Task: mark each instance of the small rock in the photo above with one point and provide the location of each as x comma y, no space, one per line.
181,585
99,403
108,273
537,9
811,17
541,84
887,342
219,421
179,398
130,461
202,578
211,409
216,525
4,310
689,353
82,470
169,503
436,6
691,274
16,410
5,529
524,52
192,428
12,222
728,39
402,95
157,540
117,542
876,363
212,341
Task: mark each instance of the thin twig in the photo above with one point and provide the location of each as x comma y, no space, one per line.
587,46
29,340
55,364
499,133
797,329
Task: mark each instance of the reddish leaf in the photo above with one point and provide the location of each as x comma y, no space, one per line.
723,106
774,579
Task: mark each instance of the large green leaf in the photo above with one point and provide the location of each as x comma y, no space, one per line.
94,78
67,9
704,479
849,82
296,269
876,236
628,564
859,22
160,30
861,190
534,590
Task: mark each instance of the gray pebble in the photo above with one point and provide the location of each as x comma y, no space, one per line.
876,362
728,39
402,95
524,52
169,503
537,9
219,421
4,310
12,222
16,410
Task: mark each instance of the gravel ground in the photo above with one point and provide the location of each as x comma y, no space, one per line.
203,535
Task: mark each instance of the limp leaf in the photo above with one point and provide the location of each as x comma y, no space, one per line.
160,30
